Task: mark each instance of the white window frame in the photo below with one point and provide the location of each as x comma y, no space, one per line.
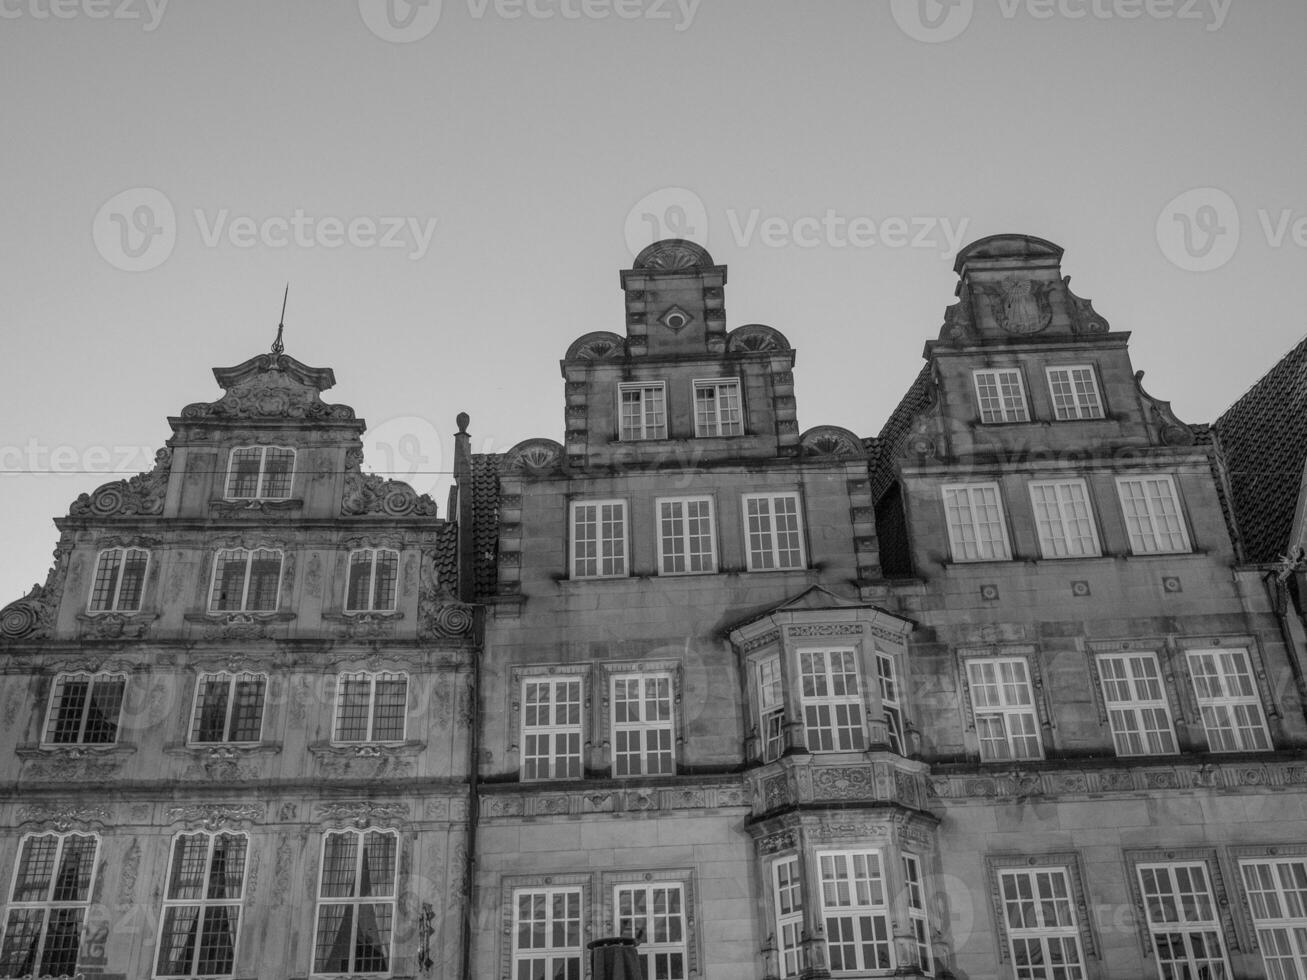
891,706
250,555
112,603
763,545
372,561
999,406
971,536
58,690
1228,700
557,960
71,909
554,731
657,955
1081,398
1151,529
1065,521
679,543
827,703
1140,720
851,899
651,409
355,901
1044,935
618,548
1173,913
642,729
770,685
719,422
232,682
1276,890
914,888
1003,709
202,905
787,904
263,476
373,677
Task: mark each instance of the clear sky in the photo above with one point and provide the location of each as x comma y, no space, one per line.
451,189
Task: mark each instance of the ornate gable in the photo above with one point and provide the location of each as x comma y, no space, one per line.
271,386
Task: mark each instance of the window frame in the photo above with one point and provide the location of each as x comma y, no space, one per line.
575,558
355,901
1136,539
790,925
1042,933
643,726
682,535
114,605
201,904
246,578
705,429
1048,544
774,550
57,689
918,908
856,731
891,704
553,956
1229,702
1004,711
854,910
648,949
553,730
1294,927
647,432
1082,413
771,714
958,546
1135,705
1004,410
375,556
373,677
233,678
263,473
49,904
1184,926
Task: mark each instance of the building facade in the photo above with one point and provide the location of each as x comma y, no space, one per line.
999,692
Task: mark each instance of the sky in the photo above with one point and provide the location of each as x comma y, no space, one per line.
451,187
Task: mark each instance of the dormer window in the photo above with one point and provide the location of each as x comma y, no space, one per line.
643,411
717,408
260,473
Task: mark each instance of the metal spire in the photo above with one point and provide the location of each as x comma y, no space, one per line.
277,346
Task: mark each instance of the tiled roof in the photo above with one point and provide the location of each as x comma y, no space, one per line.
896,429
1262,442
447,557
485,523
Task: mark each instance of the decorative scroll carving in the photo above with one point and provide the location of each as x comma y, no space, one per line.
756,338
127,874
368,493
64,817
142,494
601,345
831,440
215,816
784,841
271,386
825,629
1172,431
533,456
440,614
114,626
362,813
673,254
33,616
1084,319
843,783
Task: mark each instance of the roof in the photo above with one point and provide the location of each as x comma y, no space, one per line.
896,429
1262,443
485,523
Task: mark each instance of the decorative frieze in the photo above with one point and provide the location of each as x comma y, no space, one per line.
644,799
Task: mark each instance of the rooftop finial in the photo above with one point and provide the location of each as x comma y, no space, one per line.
277,346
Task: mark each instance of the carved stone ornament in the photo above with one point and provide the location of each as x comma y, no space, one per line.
832,441
142,494
271,386
1170,429
601,345
114,626
362,813
673,254
1022,306
756,338
367,493
64,818
533,456
215,816
440,614
1083,317
33,616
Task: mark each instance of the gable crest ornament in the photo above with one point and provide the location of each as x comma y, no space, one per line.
1023,306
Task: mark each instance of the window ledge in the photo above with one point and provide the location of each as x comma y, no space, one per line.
73,750
110,625
253,505
223,750
367,749
238,618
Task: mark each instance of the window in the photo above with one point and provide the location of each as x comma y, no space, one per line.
918,920
1136,704
599,539
1075,393
832,701
775,533
1066,527
856,911
202,906
654,915
685,536
84,709
1041,924
1228,700
48,905
356,902
717,408
1152,515
787,888
644,411
642,725
119,580
889,701
1004,706
1277,897
1182,920
1001,396
771,708
547,934
551,728
246,581
373,573
228,708
975,522
260,473
371,707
